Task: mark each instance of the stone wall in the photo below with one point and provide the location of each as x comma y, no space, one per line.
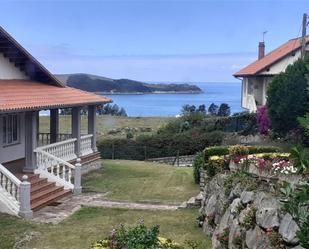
237,217
181,161
91,166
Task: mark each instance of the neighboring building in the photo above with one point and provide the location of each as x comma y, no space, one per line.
50,160
256,76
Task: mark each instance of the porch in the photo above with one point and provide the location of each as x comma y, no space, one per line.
51,164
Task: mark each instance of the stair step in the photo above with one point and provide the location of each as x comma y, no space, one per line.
45,193
41,187
50,199
38,181
32,177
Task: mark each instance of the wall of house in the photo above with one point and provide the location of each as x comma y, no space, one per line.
16,151
281,65
8,70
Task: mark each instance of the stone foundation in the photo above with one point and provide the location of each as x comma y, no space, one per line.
91,166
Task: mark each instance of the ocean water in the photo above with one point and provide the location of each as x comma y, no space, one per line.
151,105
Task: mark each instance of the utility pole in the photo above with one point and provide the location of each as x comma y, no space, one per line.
303,37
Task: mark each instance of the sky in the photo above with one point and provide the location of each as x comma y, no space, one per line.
151,40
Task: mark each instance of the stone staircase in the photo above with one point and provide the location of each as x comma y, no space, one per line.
193,202
44,193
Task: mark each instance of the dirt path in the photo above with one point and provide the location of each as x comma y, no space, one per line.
71,204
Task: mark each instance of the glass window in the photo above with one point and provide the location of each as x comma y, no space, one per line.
10,129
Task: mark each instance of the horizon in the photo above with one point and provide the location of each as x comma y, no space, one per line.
188,41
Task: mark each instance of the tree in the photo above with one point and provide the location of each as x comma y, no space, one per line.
202,108
288,97
213,109
188,109
224,110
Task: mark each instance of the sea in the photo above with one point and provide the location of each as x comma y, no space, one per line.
169,105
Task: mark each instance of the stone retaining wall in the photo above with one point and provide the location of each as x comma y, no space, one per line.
181,161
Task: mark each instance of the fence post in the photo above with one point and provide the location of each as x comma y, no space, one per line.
24,198
177,158
113,151
145,152
77,177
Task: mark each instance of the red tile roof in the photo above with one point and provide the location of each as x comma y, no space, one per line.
272,57
16,95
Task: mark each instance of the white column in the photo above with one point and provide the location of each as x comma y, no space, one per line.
92,126
30,140
76,126
24,198
54,125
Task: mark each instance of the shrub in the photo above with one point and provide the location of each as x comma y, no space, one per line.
238,150
287,97
249,220
216,165
198,163
263,120
215,151
263,149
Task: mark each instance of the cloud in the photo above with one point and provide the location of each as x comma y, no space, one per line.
63,58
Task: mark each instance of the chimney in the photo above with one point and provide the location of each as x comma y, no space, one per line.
261,50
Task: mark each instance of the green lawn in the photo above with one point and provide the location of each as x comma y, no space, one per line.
91,224
125,180
142,181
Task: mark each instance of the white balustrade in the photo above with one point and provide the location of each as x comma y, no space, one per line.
9,188
85,144
64,150
54,168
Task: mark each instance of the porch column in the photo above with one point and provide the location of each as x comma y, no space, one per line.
31,130
54,125
76,125
92,127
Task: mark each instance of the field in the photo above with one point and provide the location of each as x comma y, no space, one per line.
111,126
123,180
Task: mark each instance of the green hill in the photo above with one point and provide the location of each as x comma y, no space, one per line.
94,83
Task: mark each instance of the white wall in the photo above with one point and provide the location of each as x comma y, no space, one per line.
13,152
282,64
8,71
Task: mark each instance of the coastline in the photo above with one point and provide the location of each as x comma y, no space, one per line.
155,92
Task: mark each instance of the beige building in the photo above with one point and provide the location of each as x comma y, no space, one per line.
257,75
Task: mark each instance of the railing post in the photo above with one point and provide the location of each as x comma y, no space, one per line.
77,177
24,198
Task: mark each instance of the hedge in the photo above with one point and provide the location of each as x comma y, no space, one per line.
159,145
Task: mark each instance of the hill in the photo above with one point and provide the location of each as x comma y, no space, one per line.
94,83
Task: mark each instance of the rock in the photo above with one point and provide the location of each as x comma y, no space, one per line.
267,217
256,239
235,206
243,214
234,232
298,247
288,229
267,213
247,197
210,208
235,193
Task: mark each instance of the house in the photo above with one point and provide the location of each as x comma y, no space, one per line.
36,168
257,75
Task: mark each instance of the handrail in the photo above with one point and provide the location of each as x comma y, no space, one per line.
39,150
57,144
9,175
54,168
86,136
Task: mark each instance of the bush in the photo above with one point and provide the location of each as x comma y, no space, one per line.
216,165
263,120
159,145
287,97
198,163
238,150
138,237
215,151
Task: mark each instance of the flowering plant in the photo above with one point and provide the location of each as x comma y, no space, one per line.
284,167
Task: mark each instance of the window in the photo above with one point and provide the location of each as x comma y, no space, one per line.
10,129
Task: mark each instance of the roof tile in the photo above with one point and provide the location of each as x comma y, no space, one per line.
24,95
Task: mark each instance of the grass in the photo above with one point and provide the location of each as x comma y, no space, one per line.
142,181
91,224
124,180
105,124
